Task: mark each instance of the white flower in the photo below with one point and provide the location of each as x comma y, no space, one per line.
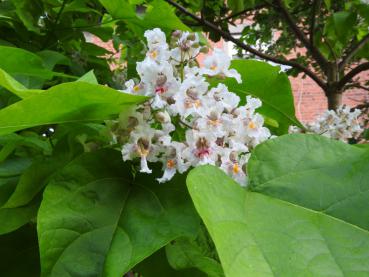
216,130
228,99
213,120
218,65
189,98
233,164
342,124
201,149
158,53
133,88
187,47
140,145
252,103
155,38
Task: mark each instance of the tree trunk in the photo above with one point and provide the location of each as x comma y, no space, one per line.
334,100
333,95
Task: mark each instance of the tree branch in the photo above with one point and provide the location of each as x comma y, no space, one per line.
258,7
322,61
360,107
353,51
347,78
246,47
357,86
315,10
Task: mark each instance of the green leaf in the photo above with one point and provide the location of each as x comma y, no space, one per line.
52,58
33,180
184,253
236,5
314,172
262,233
19,253
343,25
266,82
157,265
95,220
328,4
27,139
153,18
13,218
14,167
66,103
120,9
15,87
31,65
89,77
29,13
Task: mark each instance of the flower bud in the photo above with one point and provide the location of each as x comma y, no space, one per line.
191,37
195,45
192,93
204,49
162,117
170,100
177,34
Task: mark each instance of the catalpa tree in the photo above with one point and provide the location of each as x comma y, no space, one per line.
163,166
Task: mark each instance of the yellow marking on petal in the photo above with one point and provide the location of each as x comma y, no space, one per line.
197,103
252,125
213,67
236,168
153,54
136,88
214,122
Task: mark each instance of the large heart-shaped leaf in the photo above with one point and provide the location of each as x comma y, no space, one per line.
272,87
95,220
314,172
66,103
269,235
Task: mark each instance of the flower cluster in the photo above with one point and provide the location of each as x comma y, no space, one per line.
187,122
342,124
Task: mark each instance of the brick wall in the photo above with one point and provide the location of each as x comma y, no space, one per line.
310,100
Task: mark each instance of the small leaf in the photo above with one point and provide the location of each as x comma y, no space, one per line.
89,77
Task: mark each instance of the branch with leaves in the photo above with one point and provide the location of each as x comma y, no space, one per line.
326,64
